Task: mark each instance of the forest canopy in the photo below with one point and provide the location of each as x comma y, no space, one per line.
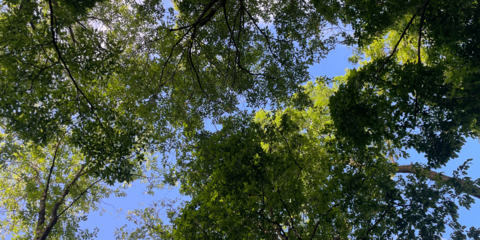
97,93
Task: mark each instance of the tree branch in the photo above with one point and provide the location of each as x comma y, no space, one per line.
56,206
43,200
202,19
318,223
376,223
81,194
289,151
391,55
72,35
289,214
267,38
422,18
191,59
434,176
57,49
232,35
276,225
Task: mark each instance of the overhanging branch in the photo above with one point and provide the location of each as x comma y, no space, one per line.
435,176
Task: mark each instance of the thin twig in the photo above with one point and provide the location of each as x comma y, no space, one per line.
264,35
81,194
422,18
376,223
318,223
288,212
390,56
289,151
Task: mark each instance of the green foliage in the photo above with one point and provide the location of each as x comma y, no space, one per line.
152,226
427,105
123,76
121,80
24,175
286,175
80,6
53,75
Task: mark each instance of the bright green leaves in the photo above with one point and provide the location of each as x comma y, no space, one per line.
234,180
52,82
82,79
296,174
283,175
24,177
120,79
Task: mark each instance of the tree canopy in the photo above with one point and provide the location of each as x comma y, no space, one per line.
96,87
30,187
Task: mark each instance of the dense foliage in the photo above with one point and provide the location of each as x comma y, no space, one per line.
95,86
286,175
422,94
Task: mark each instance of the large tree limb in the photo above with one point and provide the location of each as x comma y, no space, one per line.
434,176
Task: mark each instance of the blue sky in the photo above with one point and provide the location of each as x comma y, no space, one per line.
334,65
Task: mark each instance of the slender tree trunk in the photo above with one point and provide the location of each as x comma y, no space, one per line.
43,230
